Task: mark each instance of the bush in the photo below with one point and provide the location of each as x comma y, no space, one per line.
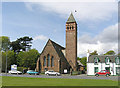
21,69
75,72
42,73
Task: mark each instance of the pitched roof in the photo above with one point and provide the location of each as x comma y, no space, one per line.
58,49
56,45
71,18
101,58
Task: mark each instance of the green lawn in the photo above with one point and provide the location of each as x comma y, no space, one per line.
25,81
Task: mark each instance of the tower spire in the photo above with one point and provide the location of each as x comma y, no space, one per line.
71,42
71,18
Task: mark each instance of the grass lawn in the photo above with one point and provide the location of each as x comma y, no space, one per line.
26,81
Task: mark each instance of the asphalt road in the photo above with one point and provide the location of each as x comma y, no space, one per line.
114,78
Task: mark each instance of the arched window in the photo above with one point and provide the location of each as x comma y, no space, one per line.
117,60
52,61
44,61
96,60
107,60
48,58
67,28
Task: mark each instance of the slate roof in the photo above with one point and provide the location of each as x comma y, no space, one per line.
101,58
56,45
71,18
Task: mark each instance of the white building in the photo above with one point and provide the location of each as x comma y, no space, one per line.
96,63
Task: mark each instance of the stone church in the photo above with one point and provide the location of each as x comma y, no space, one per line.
57,58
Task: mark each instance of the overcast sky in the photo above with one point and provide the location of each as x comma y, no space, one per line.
97,23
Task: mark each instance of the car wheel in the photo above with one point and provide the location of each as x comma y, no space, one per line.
29,74
47,74
96,75
37,73
107,75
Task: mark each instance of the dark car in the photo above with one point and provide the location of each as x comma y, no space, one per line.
103,72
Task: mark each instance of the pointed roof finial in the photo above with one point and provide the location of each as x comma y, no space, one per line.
71,18
88,51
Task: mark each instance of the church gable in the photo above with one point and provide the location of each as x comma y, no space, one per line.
49,48
49,58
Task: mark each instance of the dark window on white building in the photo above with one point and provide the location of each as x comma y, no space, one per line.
117,60
96,59
107,60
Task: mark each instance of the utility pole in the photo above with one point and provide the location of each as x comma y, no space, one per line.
6,63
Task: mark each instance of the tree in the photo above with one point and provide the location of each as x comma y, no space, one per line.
25,42
119,54
10,59
111,52
3,61
21,44
4,43
84,61
16,46
94,53
78,58
28,59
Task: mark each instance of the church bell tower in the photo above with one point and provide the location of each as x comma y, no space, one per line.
71,42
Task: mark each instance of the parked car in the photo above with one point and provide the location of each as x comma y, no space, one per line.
15,72
103,72
32,72
52,73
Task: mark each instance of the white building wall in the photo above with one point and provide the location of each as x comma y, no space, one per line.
90,68
101,66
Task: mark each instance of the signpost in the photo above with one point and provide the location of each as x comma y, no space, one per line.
65,70
13,67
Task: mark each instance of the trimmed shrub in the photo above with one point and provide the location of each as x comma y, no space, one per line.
22,69
75,72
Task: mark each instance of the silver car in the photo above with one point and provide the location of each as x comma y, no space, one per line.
52,73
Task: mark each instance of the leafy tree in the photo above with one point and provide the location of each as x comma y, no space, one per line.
10,60
25,42
16,46
78,58
28,59
3,61
111,52
84,61
119,54
4,43
94,53
21,44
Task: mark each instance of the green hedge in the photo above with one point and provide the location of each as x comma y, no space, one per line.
76,73
21,69
42,73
